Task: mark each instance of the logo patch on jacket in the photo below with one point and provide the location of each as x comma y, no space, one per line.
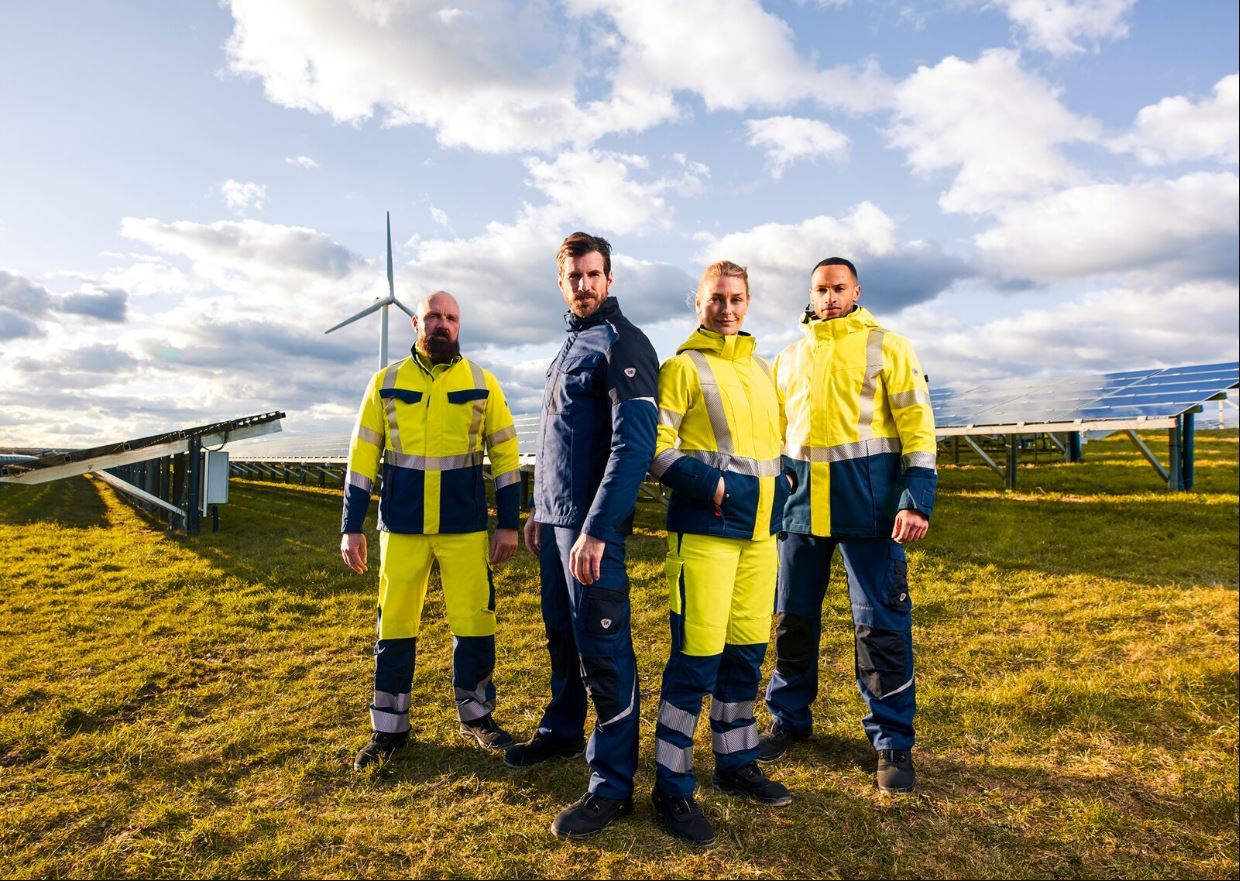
630,372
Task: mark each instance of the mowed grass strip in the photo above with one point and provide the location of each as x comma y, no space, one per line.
188,707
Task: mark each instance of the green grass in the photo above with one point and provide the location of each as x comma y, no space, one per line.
188,707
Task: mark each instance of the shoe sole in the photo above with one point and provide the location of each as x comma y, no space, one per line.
578,754
891,790
773,802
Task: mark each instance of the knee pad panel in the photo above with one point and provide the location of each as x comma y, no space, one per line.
882,660
795,650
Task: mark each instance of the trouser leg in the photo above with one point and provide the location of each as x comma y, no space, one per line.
469,595
804,567
565,715
882,622
404,567
600,618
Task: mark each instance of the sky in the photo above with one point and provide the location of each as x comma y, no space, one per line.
191,193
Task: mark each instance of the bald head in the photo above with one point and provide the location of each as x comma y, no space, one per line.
438,326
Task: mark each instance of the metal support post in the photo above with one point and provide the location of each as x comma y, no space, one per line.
1013,456
193,490
1175,471
956,450
1187,445
1074,453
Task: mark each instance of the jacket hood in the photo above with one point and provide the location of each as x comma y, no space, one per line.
731,347
859,318
607,310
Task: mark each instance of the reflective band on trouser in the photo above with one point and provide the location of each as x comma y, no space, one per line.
724,742
677,719
361,481
842,452
908,399
714,402
432,463
388,721
724,711
370,436
674,758
385,700
736,464
920,460
389,404
873,367
664,461
473,704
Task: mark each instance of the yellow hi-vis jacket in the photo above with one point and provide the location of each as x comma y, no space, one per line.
428,427
719,416
857,426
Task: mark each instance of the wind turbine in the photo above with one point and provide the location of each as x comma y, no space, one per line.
382,305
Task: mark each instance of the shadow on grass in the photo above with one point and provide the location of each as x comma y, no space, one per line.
73,503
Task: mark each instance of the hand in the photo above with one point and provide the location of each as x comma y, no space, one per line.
910,526
720,492
532,535
586,558
353,550
503,545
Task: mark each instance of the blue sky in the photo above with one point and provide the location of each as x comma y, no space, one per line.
191,193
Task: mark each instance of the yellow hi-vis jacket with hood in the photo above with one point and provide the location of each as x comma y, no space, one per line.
857,425
719,416
427,427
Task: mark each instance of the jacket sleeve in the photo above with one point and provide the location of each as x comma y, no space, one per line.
501,441
365,453
632,376
680,390
908,397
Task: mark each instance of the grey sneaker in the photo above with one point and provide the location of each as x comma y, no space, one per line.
589,815
750,782
895,771
380,748
683,819
774,742
488,734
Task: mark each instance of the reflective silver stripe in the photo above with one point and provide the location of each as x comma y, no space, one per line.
432,463
670,417
736,464
473,704
724,742
387,722
898,690
626,712
713,399
496,438
920,460
480,406
873,367
370,436
389,404
842,452
508,479
724,711
361,481
385,700
908,399
677,719
663,461
674,758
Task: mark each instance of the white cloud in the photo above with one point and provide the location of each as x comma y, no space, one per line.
301,161
1189,222
997,125
440,217
241,196
789,139
1178,129
1060,27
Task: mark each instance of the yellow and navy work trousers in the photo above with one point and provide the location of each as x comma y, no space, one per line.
404,570
882,613
721,591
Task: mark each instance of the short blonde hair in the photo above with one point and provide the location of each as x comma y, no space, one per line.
721,269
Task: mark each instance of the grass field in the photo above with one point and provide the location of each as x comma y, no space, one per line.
188,707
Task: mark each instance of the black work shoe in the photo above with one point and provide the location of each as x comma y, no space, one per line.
380,748
683,819
750,782
589,815
774,742
895,771
539,749
487,733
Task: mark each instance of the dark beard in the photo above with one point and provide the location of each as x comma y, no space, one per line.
439,349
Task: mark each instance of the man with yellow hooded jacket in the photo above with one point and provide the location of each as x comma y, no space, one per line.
718,449
859,433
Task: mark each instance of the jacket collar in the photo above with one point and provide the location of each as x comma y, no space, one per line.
816,328
608,310
731,347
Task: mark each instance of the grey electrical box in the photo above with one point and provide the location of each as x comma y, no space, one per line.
214,478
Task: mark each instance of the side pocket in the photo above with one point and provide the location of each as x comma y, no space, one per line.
607,612
897,597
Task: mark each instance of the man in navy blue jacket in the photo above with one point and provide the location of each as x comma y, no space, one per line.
596,441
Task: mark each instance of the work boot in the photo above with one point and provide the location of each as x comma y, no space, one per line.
895,771
588,815
539,749
488,734
750,782
775,740
682,818
380,749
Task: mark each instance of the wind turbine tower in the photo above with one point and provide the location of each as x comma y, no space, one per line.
381,304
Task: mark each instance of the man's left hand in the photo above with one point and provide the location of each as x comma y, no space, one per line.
910,526
586,558
503,545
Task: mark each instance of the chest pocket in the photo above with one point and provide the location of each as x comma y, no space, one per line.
405,396
464,396
573,382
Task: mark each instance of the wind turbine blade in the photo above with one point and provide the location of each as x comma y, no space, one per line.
402,306
374,307
391,283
